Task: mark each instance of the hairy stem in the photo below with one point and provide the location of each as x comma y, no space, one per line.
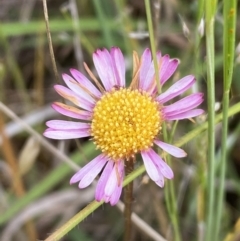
128,193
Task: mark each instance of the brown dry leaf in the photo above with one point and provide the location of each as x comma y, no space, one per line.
28,155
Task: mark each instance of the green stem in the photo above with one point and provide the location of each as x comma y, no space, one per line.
152,43
230,13
210,11
170,194
74,221
171,197
173,129
136,173
174,216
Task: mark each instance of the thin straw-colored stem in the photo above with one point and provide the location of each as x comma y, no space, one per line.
210,12
38,137
45,10
230,13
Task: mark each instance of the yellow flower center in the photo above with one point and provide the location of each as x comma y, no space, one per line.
125,122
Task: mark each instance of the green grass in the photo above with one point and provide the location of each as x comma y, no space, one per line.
208,209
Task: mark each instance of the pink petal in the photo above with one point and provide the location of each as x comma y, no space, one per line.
146,60
112,183
163,63
165,170
173,150
99,194
85,82
188,103
116,195
73,97
149,165
77,89
166,68
71,111
119,66
67,125
185,115
163,66
171,68
118,190
87,168
160,181
147,81
88,178
65,134
104,66
150,81
177,89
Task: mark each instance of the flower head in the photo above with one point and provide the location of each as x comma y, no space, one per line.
122,121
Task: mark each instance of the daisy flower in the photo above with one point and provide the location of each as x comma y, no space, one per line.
122,121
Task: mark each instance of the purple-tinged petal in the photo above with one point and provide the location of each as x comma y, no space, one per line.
67,125
185,115
160,181
116,195
161,165
85,82
149,165
171,68
119,66
106,199
71,111
74,98
166,170
177,89
77,89
65,134
99,194
112,182
148,82
104,66
88,178
118,190
146,60
173,150
163,66
188,103
87,168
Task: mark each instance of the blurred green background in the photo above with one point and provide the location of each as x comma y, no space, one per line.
35,195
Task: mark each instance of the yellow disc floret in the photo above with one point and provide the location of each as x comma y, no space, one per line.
125,122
